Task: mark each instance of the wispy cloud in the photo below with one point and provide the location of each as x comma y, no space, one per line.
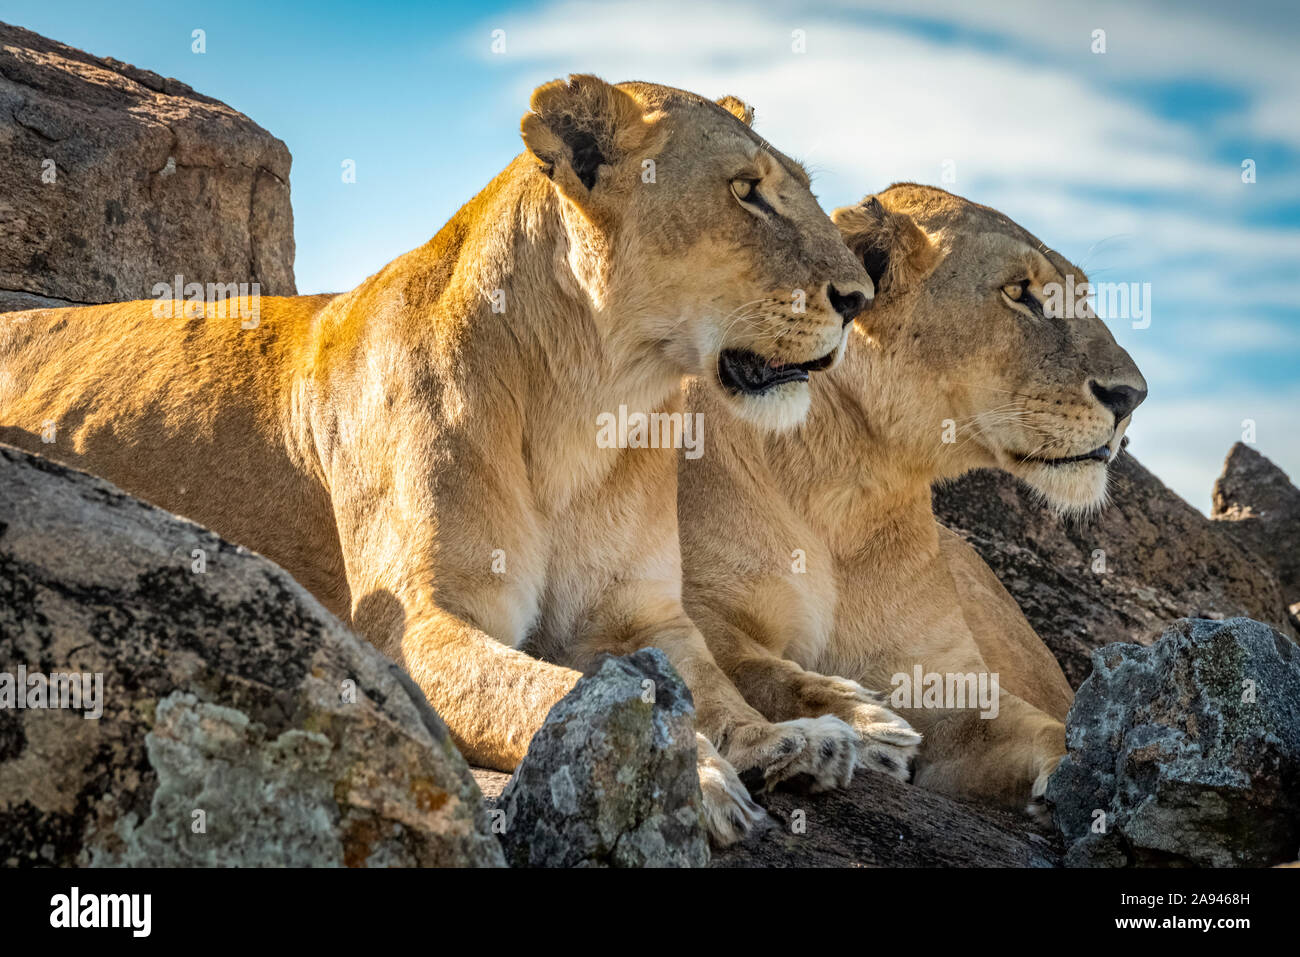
1120,160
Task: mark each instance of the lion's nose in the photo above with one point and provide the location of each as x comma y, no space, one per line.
1120,399
848,304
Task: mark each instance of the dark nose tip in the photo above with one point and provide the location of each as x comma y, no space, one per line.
849,305
1120,399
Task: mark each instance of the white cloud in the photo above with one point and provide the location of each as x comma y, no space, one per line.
1039,136
1249,48
880,103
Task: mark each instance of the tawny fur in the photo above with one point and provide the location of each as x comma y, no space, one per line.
816,553
428,467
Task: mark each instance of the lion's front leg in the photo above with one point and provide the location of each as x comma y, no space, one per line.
1005,759
445,577
737,739
784,692
492,698
887,743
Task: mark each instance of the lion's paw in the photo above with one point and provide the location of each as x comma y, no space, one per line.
1037,808
886,743
729,812
830,694
822,751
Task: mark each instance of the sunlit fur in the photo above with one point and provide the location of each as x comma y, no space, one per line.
813,556
427,463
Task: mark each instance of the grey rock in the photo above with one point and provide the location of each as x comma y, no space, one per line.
491,783
242,724
610,779
880,822
117,179
1190,747
875,822
1257,504
18,301
1163,560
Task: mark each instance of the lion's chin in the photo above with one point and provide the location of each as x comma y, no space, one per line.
778,409
1077,488
1075,485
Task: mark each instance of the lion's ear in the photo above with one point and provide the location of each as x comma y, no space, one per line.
896,252
575,127
737,108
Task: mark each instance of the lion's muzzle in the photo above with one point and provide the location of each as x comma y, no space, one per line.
748,373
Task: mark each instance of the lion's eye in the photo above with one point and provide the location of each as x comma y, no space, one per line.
746,191
1016,290
744,188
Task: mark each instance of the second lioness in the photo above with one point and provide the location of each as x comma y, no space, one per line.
815,552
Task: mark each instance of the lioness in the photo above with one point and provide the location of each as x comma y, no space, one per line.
421,452
815,552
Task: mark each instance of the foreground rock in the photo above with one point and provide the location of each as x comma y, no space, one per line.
241,723
610,779
1257,504
1147,559
876,822
880,822
117,179
1191,747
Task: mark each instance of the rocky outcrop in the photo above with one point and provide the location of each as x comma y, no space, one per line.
210,711
1258,505
1185,752
117,179
1148,558
610,779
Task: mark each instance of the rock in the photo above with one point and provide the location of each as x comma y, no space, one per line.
16,301
117,179
1148,558
1191,747
611,779
1258,505
876,822
880,822
491,783
241,723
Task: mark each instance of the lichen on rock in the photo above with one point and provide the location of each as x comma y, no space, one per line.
611,778
229,692
1190,748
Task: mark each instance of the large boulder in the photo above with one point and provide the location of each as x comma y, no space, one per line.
225,718
117,179
1148,558
1186,752
1258,505
610,779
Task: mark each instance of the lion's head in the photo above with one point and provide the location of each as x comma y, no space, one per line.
985,349
703,242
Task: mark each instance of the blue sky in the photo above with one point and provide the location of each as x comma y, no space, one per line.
1128,161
